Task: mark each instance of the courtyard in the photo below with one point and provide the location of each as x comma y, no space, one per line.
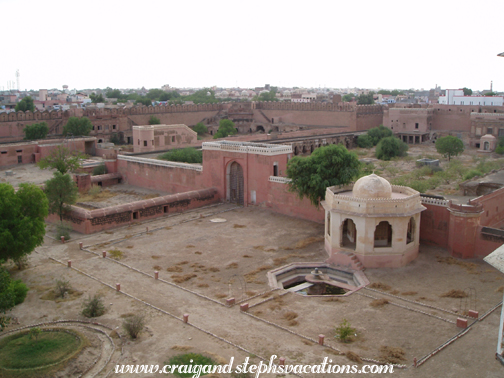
208,255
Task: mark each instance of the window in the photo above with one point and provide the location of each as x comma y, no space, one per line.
416,125
275,169
4,152
139,142
145,143
501,133
173,139
113,127
93,127
99,127
20,159
489,130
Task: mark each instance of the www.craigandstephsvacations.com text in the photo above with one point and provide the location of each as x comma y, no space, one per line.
326,367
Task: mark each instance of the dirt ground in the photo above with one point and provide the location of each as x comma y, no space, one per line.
215,261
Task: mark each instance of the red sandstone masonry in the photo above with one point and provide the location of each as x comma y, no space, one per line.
87,222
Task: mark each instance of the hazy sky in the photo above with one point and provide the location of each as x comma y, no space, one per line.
192,43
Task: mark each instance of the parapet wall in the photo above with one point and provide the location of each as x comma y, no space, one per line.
90,221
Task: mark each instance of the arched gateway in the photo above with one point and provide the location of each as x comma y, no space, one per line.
235,183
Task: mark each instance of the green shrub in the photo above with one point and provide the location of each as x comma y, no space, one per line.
390,147
378,133
344,331
63,229
133,325
500,150
20,291
154,120
115,139
93,307
62,287
100,170
200,128
34,333
185,155
185,359
472,173
365,141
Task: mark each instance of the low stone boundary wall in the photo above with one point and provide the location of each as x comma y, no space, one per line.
90,221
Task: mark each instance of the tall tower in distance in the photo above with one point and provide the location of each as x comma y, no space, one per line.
17,79
491,86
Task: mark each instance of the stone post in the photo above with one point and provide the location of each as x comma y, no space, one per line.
156,275
69,263
118,287
104,254
321,339
186,318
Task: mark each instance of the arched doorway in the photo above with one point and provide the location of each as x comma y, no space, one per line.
486,146
383,235
260,128
348,234
235,183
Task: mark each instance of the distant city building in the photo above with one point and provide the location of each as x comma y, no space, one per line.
456,97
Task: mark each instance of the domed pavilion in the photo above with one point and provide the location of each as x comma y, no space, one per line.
372,224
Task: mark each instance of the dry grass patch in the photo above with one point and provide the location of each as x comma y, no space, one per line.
213,269
379,302
129,246
127,315
232,265
220,295
198,253
116,254
190,246
379,286
290,315
252,276
175,269
260,247
149,196
182,263
70,295
167,228
183,278
331,351
454,294
306,242
247,256
239,226
109,232
469,266
392,355
155,257
500,289
266,295
394,292
157,267
307,342
409,293
182,348
203,285
282,260
287,248
352,356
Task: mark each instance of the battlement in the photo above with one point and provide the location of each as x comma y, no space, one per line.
248,148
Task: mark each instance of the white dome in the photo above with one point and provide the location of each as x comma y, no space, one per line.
372,186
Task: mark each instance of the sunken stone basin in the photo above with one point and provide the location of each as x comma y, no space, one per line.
316,279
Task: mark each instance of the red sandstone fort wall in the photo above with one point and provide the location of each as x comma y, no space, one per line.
282,201
493,206
434,225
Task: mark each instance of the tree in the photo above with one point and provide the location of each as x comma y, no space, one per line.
467,91
390,147
36,131
96,98
266,96
78,126
449,146
365,99
144,101
348,97
61,192
22,214
154,93
200,128
378,133
62,159
365,141
326,166
154,120
7,296
489,94
25,104
226,128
